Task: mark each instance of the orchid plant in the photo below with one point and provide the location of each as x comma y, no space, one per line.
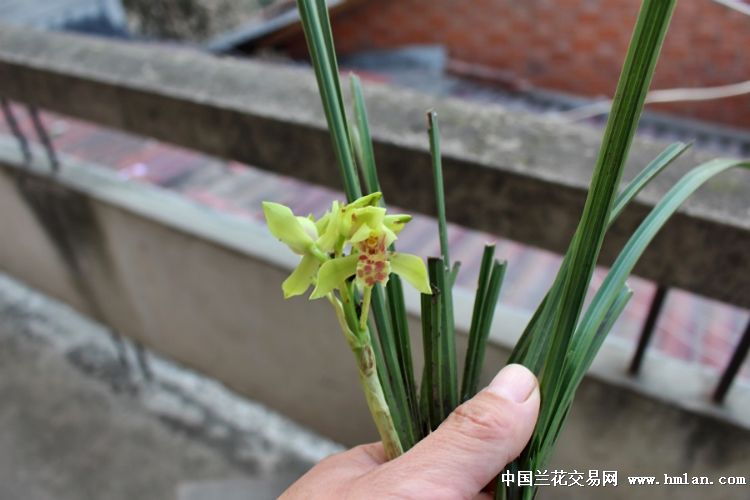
348,256
350,241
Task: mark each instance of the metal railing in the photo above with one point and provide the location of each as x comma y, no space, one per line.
269,116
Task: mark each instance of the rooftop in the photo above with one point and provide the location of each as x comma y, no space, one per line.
105,17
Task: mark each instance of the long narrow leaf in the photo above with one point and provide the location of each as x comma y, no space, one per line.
399,321
579,361
363,144
400,405
433,129
316,26
444,381
657,165
476,319
628,257
541,320
573,280
395,335
612,296
475,354
448,324
628,103
432,381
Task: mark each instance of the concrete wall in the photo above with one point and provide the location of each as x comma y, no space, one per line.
204,289
516,175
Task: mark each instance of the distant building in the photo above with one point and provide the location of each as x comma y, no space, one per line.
571,46
101,17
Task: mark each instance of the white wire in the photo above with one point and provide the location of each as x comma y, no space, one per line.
672,95
665,95
737,5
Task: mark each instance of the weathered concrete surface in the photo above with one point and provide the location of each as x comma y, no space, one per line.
201,287
511,174
77,423
64,436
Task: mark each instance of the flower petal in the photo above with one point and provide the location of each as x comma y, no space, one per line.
308,224
372,216
329,236
286,227
300,280
396,222
322,223
368,200
353,219
390,236
333,273
362,234
412,269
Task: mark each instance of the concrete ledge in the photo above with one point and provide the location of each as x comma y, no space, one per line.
200,287
510,174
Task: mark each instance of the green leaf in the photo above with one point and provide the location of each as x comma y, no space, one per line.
480,330
554,327
402,340
532,356
454,273
628,257
628,104
316,25
437,173
362,140
393,330
646,175
444,379
399,404
579,361
432,391
483,280
447,343
317,29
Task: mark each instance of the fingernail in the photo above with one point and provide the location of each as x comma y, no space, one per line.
514,382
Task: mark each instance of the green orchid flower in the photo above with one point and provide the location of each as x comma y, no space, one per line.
370,265
355,222
299,234
350,240
361,224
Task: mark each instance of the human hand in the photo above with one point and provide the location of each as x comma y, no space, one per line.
456,461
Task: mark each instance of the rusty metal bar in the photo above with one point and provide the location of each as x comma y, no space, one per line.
10,119
733,368
41,132
649,326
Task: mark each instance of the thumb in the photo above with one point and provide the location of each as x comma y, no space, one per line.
476,441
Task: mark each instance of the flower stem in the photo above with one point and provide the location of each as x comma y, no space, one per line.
361,346
318,253
366,296
381,414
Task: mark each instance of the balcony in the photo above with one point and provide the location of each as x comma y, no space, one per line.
198,286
